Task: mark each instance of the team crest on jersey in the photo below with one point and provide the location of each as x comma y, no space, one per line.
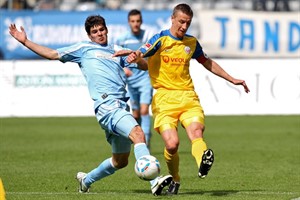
187,49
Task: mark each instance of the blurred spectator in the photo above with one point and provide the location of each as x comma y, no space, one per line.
15,4
114,4
45,5
259,5
284,5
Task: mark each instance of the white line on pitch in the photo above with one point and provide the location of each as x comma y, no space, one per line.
94,193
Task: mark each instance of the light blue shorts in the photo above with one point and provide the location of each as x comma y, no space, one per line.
140,93
115,118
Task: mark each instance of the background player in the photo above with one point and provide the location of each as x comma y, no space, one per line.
139,86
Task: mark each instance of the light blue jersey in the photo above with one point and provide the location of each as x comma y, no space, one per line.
103,73
106,82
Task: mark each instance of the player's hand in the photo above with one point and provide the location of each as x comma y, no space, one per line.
18,35
132,58
241,82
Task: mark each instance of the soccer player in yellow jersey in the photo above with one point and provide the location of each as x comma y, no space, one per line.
169,53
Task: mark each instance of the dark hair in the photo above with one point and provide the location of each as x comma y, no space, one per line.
92,21
185,8
134,12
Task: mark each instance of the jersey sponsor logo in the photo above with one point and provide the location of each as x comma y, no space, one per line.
103,55
167,59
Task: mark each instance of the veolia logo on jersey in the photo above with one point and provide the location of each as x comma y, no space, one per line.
167,59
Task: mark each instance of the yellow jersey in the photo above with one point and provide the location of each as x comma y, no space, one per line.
169,60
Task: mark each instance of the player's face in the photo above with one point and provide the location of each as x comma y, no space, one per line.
180,24
135,23
98,34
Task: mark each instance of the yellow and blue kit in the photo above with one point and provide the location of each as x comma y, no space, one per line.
168,64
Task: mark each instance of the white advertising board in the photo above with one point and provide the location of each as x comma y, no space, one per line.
246,34
51,88
274,87
43,88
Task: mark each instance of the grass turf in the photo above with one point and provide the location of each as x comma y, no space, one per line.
256,157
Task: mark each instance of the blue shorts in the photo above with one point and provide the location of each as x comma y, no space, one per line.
140,92
115,118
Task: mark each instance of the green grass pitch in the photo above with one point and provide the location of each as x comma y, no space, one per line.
256,157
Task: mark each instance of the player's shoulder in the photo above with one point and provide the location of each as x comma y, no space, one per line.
76,46
161,34
85,44
190,36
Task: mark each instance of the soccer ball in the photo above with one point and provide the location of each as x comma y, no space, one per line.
147,168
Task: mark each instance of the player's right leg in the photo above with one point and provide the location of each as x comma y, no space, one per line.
108,115
137,136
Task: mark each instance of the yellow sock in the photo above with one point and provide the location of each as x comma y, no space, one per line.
198,147
2,192
172,161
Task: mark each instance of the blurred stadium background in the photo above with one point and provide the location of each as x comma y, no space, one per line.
258,156
83,5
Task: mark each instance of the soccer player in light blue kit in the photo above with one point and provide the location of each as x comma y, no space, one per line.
138,81
106,83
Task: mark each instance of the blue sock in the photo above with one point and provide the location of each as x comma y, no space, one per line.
146,126
104,169
140,150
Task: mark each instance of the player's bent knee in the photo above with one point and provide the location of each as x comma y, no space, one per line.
120,161
172,147
137,135
121,165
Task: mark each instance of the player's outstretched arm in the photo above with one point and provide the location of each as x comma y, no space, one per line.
123,52
21,37
216,69
133,57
